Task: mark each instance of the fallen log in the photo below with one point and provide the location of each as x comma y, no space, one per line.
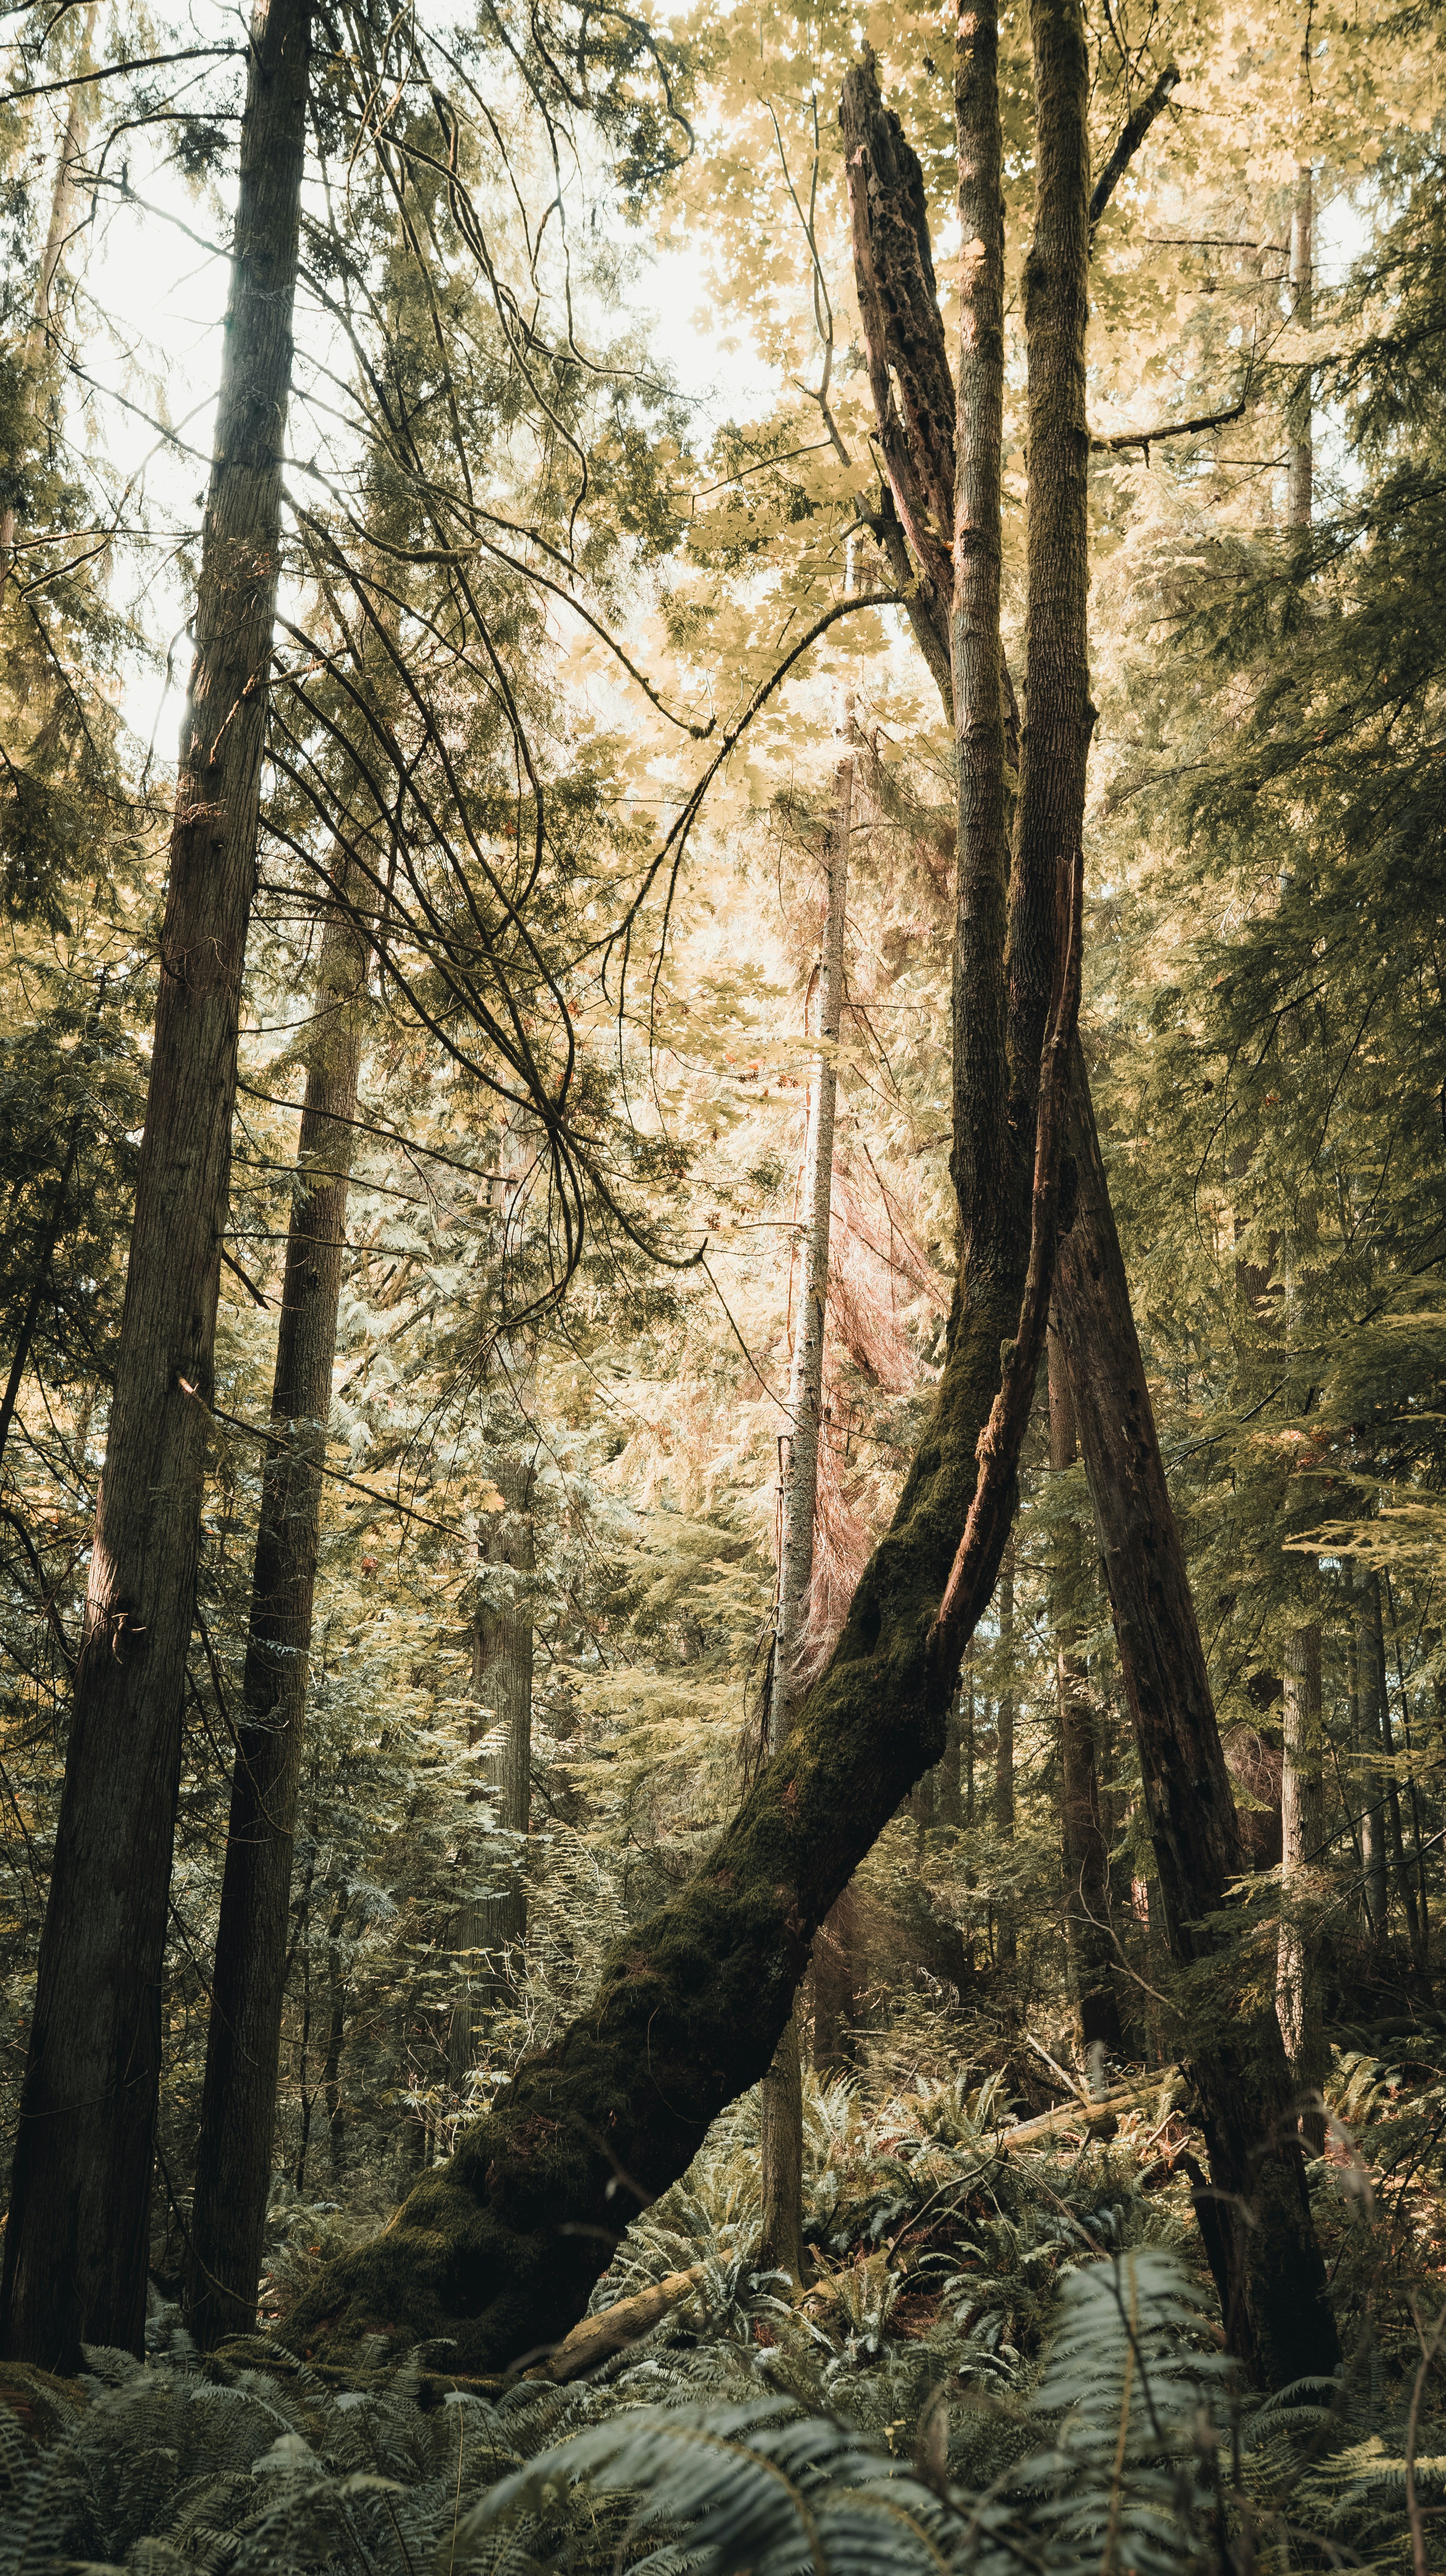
596,2339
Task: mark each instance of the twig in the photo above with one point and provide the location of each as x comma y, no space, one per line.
1413,2502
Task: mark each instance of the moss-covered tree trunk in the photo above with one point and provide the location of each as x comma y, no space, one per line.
1268,2264
500,2247
77,2237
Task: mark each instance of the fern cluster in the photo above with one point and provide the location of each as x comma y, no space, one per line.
687,2457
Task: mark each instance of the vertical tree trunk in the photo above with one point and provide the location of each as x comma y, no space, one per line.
76,111
1006,1945
491,1930
781,2097
1256,2221
243,2047
1085,1847
1370,1695
75,2245
1404,1880
1301,467
1302,1814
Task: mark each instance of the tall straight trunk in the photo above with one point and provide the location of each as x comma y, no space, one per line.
1298,1999
1300,472
1006,1944
1421,1918
490,1930
61,200
75,2244
781,2096
243,2045
1088,1941
1380,1696
1370,1697
1256,2220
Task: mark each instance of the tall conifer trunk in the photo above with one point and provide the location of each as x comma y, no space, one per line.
781,2093
491,1930
243,2047
76,2241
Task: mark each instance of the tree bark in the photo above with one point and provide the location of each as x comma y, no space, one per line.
1085,1846
1006,1944
1369,1656
1273,2290
76,112
1298,2000
1256,2219
781,2095
243,2048
75,2247
491,1930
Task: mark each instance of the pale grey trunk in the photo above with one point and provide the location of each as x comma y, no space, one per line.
781,2092
489,1932
1301,468
1006,1944
1302,1814
57,233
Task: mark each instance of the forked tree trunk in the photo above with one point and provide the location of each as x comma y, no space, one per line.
501,2247
76,2241
1272,2280
781,2093
1085,1846
243,2045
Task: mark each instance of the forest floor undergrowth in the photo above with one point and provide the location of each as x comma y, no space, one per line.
1007,2353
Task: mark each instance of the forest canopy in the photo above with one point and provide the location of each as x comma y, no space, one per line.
722,1709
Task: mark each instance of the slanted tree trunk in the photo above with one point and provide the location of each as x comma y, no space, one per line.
1298,1999
243,2045
1272,2289
781,2097
1086,1849
1256,2220
75,2244
501,2246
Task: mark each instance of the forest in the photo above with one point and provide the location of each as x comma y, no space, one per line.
723,1288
